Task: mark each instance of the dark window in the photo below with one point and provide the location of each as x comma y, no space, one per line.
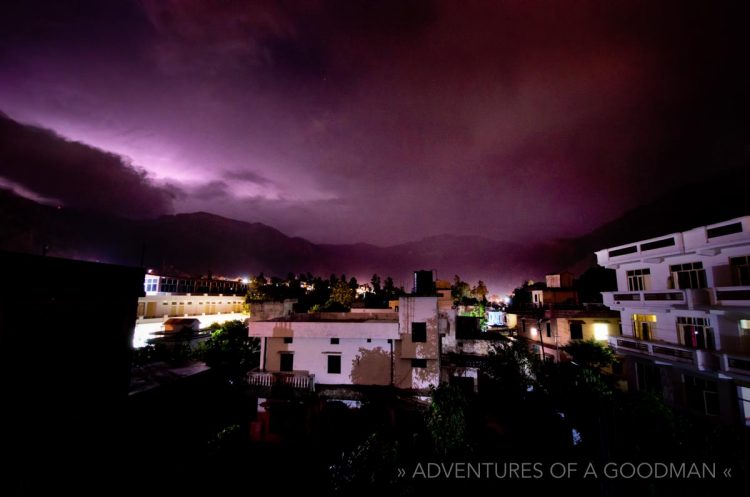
419,363
419,332
334,341
623,251
369,340
288,339
334,364
666,242
576,331
287,362
727,229
702,395
740,270
549,330
690,275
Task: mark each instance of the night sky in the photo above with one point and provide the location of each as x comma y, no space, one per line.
383,121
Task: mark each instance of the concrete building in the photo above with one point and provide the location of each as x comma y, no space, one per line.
551,329
684,301
369,347
155,284
555,316
164,300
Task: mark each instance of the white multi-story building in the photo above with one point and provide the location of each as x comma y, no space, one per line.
379,347
684,302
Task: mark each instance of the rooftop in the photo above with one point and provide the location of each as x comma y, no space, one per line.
339,317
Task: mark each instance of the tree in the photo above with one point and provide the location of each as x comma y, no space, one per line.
230,351
480,291
446,420
460,289
590,354
342,294
375,282
256,288
512,367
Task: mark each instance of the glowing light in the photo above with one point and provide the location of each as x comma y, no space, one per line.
601,331
245,281
534,332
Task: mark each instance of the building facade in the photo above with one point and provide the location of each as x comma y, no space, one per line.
368,347
166,299
684,301
549,330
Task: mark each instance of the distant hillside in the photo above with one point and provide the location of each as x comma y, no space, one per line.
199,243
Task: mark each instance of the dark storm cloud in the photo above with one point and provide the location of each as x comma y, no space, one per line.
388,121
46,165
248,176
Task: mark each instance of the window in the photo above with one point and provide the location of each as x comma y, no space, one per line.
740,270
701,395
369,340
643,326
626,250
576,330
419,332
666,242
288,339
601,331
549,330
334,341
334,364
286,362
695,332
727,229
639,280
419,363
690,275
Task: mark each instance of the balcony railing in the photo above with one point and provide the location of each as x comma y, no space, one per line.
297,380
668,297
690,297
704,360
732,295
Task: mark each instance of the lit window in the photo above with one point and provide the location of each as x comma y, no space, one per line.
601,331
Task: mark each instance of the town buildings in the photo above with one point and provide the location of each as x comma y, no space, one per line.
684,302
554,316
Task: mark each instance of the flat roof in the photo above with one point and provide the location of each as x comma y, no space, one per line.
352,318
